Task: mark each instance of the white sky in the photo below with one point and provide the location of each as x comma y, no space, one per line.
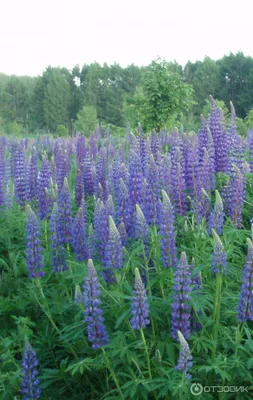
38,33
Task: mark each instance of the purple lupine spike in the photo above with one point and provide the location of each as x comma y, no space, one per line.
33,246
85,211
43,183
113,252
8,196
151,193
203,138
178,187
59,263
250,145
123,205
62,170
192,164
135,181
88,176
202,206
79,187
65,215
101,225
155,144
96,329
123,233
245,309
219,137
237,191
2,168
143,150
185,358
30,383
141,226
32,176
206,172
181,308
109,205
79,241
91,242
20,176
166,222
219,257
216,220
165,173
140,306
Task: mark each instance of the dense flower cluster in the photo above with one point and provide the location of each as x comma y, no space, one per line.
30,383
140,307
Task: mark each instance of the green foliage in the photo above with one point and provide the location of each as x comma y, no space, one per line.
87,120
162,97
61,131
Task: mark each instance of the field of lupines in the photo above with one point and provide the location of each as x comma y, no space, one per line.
127,265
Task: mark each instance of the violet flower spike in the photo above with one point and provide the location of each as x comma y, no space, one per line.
140,306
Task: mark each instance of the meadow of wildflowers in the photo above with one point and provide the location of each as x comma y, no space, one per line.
127,265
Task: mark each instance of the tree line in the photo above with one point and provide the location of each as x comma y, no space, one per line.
111,94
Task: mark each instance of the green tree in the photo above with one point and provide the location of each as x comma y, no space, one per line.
161,97
87,120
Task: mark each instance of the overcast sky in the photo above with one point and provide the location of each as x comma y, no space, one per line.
38,33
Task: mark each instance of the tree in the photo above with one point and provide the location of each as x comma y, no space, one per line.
162,96
87,120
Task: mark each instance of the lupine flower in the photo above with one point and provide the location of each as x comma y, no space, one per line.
202,206
202,136
245,309
79,240
178,195
181,309
32,176
88,176
2,168
165,173
96,329
185,358
123,205
123,233
20,176
91,242
141,226
113,252
79,187
30,383
135,181
59,262
219,257
166,222
65,215
216,220
219,137
140,306
43,183
33,246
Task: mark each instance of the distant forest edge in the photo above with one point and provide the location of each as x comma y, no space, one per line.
160,95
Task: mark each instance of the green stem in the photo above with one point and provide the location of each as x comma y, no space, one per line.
49,316
113,374
146,351
148,286
217,307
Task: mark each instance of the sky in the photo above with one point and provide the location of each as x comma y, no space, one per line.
38,33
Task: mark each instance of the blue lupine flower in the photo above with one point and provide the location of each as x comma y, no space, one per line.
33,246
245,309
185,357
30,383
96,329
140,306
